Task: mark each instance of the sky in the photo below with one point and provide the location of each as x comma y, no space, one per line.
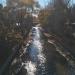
3,2
43,3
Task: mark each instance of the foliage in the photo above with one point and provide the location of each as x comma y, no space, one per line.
55,16
15,25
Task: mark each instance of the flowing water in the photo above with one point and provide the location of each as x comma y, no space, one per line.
39,63
36,64
40,60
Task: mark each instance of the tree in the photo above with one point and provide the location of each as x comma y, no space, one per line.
20,3
58,14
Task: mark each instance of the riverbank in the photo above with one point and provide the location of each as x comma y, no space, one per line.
11,49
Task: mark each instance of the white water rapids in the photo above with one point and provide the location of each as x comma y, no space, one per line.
37,58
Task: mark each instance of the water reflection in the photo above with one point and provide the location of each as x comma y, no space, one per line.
37,58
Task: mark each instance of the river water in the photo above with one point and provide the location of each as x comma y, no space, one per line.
36,64
40,58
